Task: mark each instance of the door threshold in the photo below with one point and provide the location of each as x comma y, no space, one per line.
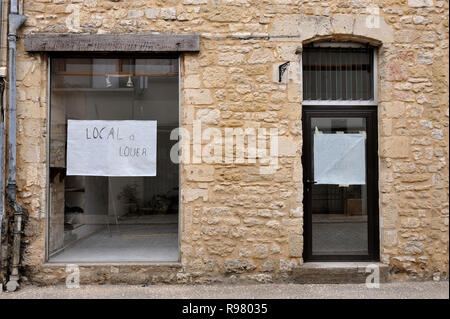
341,272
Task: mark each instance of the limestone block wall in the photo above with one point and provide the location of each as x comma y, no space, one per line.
236,221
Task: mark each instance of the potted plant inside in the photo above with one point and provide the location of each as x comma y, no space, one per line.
129,197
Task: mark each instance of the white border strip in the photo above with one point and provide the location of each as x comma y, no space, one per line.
339,102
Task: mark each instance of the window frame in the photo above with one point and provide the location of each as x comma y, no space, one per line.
373,102
47,211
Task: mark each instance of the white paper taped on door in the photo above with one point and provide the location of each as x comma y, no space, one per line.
111,148
339,159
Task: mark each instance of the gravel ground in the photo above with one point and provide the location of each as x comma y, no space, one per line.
393,290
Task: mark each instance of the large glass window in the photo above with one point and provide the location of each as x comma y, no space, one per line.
339,195
116,200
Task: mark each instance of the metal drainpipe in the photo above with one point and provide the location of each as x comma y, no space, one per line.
2,162
2,141
2,169
15,21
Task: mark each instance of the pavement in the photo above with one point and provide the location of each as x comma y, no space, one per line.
392,290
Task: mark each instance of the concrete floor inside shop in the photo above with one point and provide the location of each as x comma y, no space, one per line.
138,239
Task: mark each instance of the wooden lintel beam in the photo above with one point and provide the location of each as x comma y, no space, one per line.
45,42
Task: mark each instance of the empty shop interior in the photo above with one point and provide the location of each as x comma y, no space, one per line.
107,218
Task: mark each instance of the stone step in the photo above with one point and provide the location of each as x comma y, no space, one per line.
338,272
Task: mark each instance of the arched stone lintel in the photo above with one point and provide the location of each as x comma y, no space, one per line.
344,38
345,28
340,38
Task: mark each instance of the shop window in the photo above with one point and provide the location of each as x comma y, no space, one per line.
113,201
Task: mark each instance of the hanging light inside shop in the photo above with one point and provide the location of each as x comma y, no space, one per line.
108,81
130,82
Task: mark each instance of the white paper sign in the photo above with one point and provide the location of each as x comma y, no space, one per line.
111,148
339,159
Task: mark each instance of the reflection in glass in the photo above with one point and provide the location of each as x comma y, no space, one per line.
339,205
111,219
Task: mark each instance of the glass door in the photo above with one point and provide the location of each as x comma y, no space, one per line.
340,185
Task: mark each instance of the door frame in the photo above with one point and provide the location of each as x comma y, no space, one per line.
370,113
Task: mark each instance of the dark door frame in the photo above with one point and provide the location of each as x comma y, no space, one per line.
370,113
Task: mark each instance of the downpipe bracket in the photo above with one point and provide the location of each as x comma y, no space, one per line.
15,21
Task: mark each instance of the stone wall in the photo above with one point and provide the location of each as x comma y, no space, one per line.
236,221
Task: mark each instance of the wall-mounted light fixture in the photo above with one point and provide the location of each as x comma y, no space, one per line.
281,69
